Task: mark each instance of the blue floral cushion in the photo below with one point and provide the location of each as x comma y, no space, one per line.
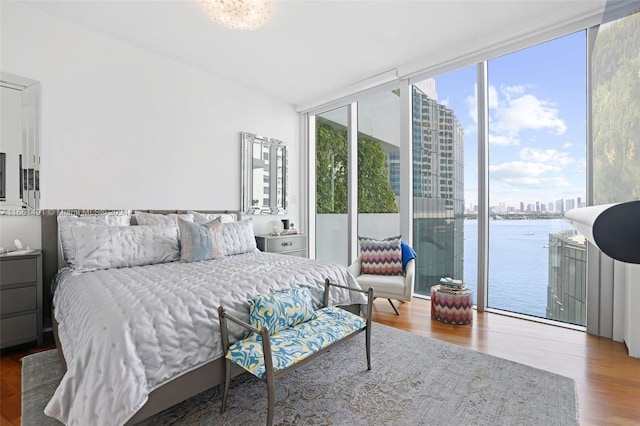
281,309
294,344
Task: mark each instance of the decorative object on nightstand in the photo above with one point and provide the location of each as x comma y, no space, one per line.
20,297
452,302
294,245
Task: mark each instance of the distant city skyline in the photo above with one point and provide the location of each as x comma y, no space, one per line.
528,206
537,123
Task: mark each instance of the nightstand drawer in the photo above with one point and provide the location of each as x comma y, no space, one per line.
284,244
17,271
22,328
18,299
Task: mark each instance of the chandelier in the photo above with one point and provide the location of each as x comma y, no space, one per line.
238,14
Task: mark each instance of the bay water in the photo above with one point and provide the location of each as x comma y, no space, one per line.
518,262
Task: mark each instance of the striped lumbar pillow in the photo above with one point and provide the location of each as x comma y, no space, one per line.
381,257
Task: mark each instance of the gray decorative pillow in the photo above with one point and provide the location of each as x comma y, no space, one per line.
200,241
155,219
238,237
66,221
208,217
104,247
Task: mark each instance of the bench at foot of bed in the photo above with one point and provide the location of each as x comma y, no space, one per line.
290,337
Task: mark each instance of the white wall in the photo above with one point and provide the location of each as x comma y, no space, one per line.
125,128
24,228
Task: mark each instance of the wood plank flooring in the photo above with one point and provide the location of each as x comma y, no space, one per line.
608,380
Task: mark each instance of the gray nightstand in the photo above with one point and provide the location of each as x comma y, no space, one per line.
294,245
20,298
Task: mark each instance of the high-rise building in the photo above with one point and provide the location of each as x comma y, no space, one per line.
570,204
566,292
559,206
438,188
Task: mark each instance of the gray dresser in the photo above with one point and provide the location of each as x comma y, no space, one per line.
20,299
294,245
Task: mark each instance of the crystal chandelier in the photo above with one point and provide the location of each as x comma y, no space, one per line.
238,14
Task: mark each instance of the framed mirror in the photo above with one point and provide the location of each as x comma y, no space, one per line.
264,175
20,149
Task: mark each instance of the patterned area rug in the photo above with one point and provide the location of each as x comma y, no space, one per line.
414,381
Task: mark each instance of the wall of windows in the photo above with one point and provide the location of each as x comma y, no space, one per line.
440,119
526,166
332,173
537,171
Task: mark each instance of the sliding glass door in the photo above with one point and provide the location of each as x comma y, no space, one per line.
537,159
332,173
379,165
445,179
536,167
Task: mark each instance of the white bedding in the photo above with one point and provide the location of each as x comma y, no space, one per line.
125,332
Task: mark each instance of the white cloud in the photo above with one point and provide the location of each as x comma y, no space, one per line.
527,112
512,111
513,90
472,105
518,170
494,100
550,182
548,156
567,145
527,174
503,140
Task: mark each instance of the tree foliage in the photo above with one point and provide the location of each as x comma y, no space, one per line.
616,112
374,192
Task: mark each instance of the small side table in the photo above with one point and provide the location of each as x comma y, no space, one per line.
20,298
452,307
291,244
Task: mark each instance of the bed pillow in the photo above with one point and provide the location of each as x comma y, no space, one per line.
66,221
208,217
104,247
200,241
238,237
281,309
156,219
381,257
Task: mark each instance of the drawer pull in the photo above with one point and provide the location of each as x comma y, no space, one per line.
286,243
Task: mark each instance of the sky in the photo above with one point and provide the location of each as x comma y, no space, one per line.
537,123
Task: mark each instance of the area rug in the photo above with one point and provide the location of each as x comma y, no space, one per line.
414,380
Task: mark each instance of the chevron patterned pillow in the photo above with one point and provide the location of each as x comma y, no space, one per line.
381,257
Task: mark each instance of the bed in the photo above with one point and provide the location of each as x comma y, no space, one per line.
137,339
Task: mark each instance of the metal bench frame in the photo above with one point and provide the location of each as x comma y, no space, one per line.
271,376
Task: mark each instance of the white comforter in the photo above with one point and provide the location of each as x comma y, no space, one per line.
125,332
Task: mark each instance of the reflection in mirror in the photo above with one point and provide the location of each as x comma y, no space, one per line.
264,175
20,142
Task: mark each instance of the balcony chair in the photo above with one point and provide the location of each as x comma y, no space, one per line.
398,287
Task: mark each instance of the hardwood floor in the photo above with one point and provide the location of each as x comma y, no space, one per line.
11,379
607,379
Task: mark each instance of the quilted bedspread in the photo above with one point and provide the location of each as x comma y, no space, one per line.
125,332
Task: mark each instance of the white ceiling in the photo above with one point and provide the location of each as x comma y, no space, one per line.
313,51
